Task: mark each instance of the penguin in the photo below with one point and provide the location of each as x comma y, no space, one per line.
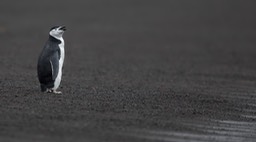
50,61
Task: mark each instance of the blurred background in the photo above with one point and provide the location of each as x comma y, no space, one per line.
142,70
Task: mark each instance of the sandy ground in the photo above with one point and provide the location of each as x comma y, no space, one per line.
134,71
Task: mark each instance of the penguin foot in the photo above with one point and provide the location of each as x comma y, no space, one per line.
53,91
57,92
49,91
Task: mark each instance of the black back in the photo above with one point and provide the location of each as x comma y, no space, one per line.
48,63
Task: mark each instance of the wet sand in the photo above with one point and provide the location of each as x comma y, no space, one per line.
134,71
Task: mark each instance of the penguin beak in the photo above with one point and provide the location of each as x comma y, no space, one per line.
63,28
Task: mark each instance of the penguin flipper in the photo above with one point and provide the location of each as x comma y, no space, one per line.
54,60
44,71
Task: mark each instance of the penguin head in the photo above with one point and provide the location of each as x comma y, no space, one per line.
57,31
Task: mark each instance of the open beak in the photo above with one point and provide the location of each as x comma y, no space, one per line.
63,28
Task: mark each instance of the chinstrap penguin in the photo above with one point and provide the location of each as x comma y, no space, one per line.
50,61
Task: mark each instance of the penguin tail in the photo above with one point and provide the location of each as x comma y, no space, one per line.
43,87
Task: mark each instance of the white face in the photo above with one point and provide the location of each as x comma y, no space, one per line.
57,32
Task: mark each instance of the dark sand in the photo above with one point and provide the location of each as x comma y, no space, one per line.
134,71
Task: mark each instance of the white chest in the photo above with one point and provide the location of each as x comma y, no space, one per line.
62,53
62,56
